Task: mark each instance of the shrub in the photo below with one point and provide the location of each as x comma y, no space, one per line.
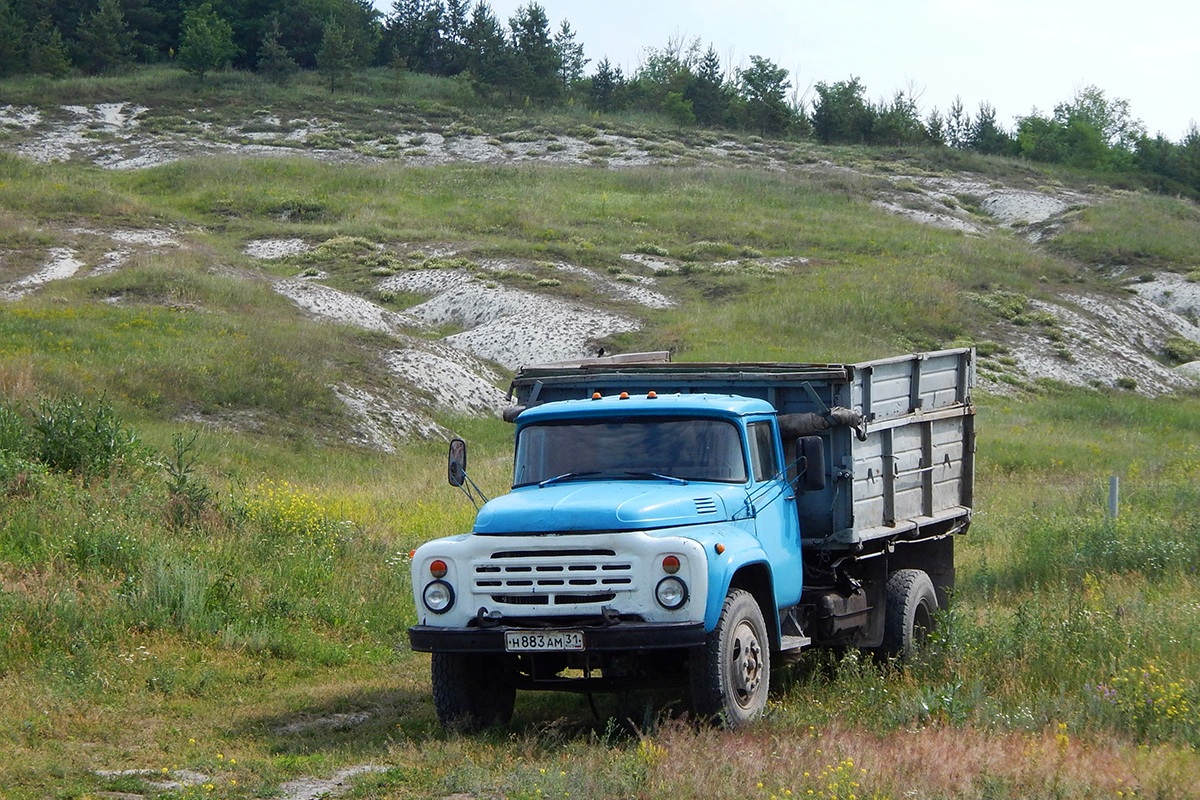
649,249
71,435
1179,350
709,251
187,495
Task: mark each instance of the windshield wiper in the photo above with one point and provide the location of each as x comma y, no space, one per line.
567,476
659,475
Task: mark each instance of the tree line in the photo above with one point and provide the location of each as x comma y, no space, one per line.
527,61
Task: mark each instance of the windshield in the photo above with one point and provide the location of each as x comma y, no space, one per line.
630,449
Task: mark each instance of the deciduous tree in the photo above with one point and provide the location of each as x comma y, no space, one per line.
764,87
840,113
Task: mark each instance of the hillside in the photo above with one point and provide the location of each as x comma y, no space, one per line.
1114,323
252,316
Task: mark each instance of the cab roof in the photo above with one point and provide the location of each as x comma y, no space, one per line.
673,405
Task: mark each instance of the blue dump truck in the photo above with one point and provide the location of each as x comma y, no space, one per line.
693,525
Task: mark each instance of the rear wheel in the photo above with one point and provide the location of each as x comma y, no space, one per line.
471,691
730,674
911,604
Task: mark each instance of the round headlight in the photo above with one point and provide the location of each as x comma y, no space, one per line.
671,593
438,597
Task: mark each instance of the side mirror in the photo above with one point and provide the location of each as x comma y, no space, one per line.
456,473
810,453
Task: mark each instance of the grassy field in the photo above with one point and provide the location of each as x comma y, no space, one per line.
230,602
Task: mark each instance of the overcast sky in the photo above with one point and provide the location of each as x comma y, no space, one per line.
1017,54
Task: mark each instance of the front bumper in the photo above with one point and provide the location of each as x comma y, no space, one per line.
623,636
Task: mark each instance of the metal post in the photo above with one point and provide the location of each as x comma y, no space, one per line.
1114,496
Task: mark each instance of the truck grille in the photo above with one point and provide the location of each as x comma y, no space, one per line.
553,577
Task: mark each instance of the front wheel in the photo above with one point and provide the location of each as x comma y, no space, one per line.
730,673
911,604
471,692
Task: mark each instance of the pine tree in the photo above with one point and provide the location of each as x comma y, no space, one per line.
935,127
207,41
335,59
607,84
105,41
48,52
706,90
454,37
12,41
275,63
489,56
958,125
537,61
986,135
414,33
570,57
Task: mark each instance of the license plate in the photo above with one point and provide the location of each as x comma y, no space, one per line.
540,641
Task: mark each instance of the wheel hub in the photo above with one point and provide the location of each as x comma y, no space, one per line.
746,658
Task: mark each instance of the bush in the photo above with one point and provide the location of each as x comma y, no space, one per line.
1179,350
71,435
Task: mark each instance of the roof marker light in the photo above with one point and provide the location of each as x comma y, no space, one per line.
624,395
651,395
596,395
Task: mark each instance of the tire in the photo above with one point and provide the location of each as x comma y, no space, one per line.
471,691
911,605
730,674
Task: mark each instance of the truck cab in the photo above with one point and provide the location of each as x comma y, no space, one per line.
663,538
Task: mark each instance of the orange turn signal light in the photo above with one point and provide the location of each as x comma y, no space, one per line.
670,564
438,568
720,548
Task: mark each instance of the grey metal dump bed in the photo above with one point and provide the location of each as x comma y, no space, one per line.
910,477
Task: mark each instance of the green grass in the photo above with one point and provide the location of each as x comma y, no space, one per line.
286,597
1136,230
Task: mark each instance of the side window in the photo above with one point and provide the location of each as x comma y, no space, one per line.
762,451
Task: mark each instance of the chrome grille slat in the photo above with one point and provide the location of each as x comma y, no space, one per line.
553,577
